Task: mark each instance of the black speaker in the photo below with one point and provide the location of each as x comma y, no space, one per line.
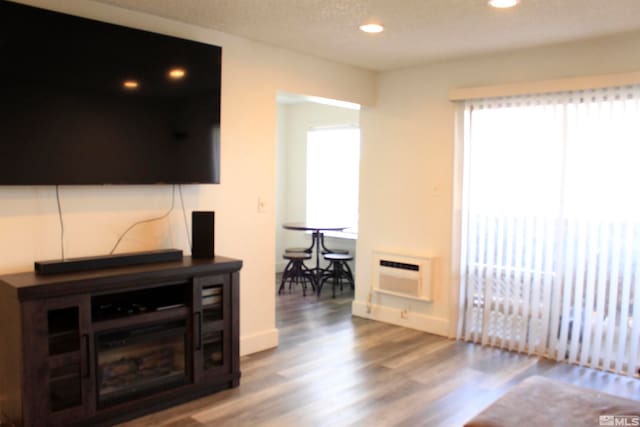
202,234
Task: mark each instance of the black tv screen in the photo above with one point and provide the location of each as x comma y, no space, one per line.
86,102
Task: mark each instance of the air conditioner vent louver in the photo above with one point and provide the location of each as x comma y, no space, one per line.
399,265
401,275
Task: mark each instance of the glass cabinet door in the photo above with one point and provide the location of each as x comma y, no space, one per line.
65,373
212,311
58,372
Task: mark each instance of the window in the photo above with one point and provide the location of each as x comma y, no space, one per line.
333,160
550,248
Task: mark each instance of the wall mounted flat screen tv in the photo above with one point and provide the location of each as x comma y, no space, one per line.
86,102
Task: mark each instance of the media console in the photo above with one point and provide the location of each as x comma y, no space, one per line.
102,346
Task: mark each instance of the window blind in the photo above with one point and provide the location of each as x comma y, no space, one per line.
550,239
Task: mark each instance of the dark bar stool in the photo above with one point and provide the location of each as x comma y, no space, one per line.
297,272
338,272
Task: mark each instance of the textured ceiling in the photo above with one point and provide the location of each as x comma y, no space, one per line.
416,31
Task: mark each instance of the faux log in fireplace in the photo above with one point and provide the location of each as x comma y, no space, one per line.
99,347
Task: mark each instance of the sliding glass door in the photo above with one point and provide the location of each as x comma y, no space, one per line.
550,248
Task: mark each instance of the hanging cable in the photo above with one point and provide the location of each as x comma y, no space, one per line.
173,199
184,215
61,222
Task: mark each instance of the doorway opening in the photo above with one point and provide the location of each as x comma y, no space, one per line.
317,179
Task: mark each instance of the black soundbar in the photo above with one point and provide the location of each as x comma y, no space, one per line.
72,265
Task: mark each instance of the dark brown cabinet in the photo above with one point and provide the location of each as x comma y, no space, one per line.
104,346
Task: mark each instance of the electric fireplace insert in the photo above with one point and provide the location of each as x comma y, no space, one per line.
134,362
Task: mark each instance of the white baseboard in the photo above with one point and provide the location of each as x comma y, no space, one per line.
260,341
413,320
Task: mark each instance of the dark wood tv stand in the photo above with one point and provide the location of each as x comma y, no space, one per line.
99,347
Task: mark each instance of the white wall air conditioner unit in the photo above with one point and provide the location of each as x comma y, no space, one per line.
402,276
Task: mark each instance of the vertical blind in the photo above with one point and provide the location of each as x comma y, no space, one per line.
550,241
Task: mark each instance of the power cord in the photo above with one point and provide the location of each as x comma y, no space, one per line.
173,199
61,222
184,215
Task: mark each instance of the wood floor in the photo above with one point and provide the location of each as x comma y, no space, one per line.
332,369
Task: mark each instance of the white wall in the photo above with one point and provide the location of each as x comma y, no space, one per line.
406,190
282,178
294,120
252,73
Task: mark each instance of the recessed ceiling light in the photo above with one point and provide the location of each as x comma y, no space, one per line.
177,73
503,4
130,84
372,28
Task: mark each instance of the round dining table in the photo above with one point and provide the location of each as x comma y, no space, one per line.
318,240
